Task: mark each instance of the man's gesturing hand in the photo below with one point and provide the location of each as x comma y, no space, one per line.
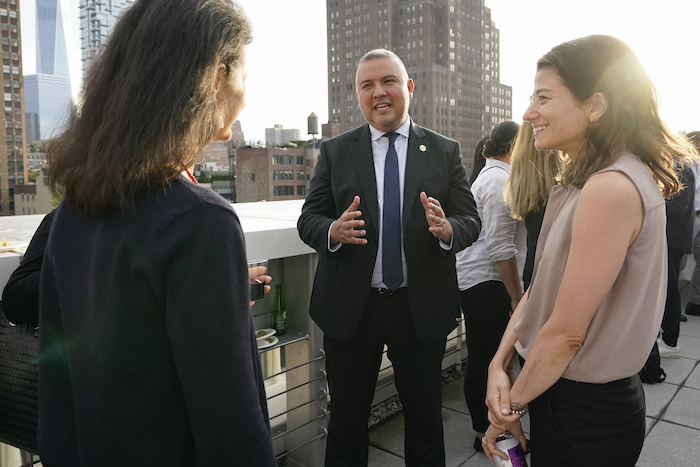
345,228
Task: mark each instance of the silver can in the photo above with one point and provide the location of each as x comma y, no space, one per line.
511,446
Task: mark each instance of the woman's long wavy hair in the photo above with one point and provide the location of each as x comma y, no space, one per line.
631,122
533,173
148,102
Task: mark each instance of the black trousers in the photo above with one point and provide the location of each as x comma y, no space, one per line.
672,312
486,309
576,424
352,375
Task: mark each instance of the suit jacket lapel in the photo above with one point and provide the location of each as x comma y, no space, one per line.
416,158
361,155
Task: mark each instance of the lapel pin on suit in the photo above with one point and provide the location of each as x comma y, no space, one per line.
422,148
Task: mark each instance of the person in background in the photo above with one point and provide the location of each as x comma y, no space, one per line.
388,207
147,347
533,173
680,216
693,305
593,309
20,297
487,272
479,160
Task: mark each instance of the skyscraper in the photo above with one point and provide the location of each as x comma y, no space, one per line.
97,18
47,94
450,49
52,58
13,167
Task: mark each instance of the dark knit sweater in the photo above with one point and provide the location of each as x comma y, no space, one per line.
147,349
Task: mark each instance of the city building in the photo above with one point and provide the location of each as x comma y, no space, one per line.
13,162
97,18
31,128
214,157
237,136
450,49
47,94
330,129
36,158
277,136
34,198
273,174
48,103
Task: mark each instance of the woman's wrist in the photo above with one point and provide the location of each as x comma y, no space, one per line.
518,409
498,363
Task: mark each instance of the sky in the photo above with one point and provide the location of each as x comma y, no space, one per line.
287,75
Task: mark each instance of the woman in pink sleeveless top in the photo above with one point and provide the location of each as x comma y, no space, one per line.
592,312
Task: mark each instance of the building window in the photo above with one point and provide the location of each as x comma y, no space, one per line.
252,177
301,189
282,175
283,190
300,160
301,175
282,160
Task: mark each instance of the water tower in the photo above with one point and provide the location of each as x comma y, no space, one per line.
313,126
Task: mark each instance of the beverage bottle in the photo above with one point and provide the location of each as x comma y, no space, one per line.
279,313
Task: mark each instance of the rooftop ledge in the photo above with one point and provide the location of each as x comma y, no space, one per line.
270,228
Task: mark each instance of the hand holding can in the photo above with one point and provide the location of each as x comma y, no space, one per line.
258,278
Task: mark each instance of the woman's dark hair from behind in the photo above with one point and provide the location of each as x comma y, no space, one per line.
631,122
500,143
148,102
479,160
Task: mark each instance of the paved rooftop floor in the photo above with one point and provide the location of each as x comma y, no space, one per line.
673,416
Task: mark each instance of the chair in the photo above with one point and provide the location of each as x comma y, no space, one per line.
19,349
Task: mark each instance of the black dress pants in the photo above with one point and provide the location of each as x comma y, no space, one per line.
577,424
672,311
352,375
486,309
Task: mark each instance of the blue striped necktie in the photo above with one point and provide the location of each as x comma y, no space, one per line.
391,233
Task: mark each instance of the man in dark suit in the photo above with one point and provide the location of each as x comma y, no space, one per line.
388,207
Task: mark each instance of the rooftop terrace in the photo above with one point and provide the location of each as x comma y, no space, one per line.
296,380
